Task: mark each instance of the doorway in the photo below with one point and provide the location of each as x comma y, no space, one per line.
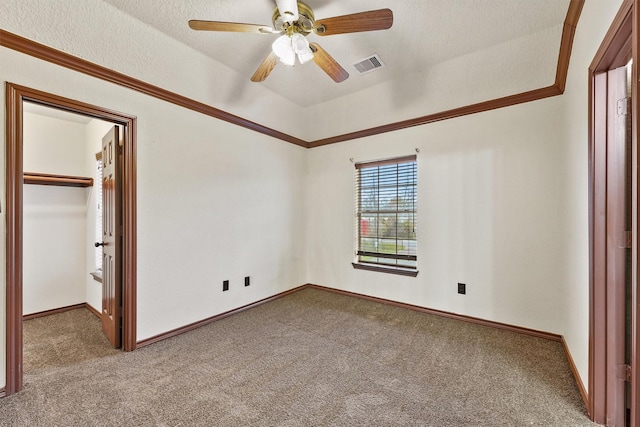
16,96
613,222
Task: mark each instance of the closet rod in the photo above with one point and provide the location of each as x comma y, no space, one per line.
59,180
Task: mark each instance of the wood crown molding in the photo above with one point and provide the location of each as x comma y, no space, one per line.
46,53
54,56
562,70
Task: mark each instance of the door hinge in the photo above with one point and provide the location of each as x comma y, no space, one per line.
624,373
624,106
625,240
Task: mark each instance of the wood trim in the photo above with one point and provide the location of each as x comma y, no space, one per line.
520,98
92,310
440,313
57,180
129,236
62,310
40,51
562,69
203,322
54,56
3,393
616,38
389,270
13,283
566,43
618,45
53,311
597,254
576,375
15,95
635,220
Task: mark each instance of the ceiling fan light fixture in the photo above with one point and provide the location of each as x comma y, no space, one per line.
301,47
287,47
305,57
283,49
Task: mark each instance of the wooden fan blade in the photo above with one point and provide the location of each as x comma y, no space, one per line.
328,64
265,68
372,20
234,27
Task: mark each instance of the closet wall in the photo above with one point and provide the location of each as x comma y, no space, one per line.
57,219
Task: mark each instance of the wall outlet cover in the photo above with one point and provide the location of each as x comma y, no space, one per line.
462,288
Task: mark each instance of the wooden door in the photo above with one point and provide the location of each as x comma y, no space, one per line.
618,271
111,237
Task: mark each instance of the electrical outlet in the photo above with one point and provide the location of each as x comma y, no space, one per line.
462,288
225,285
247,281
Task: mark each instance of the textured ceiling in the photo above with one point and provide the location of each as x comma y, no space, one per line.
425,33
440,55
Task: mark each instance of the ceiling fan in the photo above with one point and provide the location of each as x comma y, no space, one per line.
294,21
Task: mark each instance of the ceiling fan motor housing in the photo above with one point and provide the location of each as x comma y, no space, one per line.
304,24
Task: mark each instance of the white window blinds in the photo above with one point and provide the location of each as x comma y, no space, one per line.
386,212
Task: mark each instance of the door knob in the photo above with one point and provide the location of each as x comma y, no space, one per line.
98,244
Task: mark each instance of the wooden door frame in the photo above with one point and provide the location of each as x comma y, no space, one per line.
15,96
621,43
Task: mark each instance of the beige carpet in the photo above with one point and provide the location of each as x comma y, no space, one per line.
312,358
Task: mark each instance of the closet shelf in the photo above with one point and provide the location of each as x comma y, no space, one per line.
59,180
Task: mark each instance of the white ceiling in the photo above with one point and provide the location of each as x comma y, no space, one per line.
425,33
55,113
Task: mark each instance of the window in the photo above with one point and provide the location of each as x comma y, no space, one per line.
386,198
98,191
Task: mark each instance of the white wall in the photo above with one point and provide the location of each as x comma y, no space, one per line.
215,202
487,200
502,204
54,217
594,22
502,196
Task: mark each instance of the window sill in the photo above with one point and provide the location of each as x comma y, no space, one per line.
97,276
399,271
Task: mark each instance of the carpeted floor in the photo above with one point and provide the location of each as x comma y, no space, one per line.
312,358
63,339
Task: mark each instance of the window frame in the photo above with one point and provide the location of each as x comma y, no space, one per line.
378,266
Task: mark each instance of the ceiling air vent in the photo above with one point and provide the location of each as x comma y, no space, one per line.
369,64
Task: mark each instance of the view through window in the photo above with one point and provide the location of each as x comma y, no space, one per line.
386,213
